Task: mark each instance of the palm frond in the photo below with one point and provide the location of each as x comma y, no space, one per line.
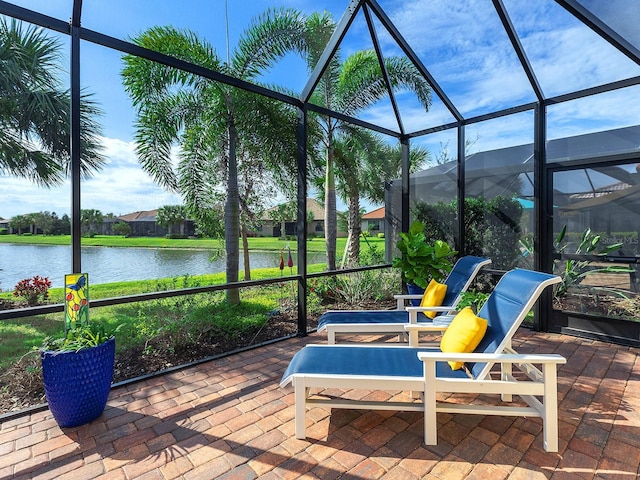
361,83
35,109
145,80
269,38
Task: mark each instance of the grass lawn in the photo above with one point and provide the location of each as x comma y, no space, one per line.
140,320
144,319
255,243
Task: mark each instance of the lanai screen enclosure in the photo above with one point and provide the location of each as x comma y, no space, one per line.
530,110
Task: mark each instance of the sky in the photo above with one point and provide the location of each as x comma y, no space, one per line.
461,43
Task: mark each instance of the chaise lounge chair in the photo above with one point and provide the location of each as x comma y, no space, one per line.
361,322
426,371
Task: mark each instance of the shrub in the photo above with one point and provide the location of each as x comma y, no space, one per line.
371,256
358,287
492,227
122,228
381,235
4,231
31,289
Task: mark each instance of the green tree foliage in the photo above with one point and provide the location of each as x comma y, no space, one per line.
350,86
43,221
363,164
35,110
20,223
170,216
225,134
122,228
47,222
492,227
90,219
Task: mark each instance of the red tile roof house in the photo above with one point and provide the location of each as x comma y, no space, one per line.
374,222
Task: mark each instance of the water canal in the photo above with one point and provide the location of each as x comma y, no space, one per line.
112,264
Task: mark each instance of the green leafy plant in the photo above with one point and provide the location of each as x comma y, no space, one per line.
420,262
473,299
491,226
85,336
574,270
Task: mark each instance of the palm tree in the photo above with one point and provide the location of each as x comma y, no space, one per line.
350,87
364,162
217,126
35,110
171,215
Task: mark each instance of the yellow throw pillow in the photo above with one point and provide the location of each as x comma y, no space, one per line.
463,335
433,296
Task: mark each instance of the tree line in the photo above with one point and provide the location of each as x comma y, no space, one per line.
237,150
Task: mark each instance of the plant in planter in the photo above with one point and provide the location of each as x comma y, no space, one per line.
77,369
573,271
473,299
420,262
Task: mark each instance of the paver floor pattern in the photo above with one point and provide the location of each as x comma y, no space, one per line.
229,419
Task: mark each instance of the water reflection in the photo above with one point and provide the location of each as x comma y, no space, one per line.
111,264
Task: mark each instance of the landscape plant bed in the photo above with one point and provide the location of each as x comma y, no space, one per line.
21,384
622,332
603,305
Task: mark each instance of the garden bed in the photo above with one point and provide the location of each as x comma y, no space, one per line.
21,383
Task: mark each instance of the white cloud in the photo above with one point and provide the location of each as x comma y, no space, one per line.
121,187
464,46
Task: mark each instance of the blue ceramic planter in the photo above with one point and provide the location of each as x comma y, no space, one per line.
77,384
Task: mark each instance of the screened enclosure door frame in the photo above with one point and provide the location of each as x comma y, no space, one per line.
585,325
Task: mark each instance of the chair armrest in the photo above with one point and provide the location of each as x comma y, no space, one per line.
492,357
413,311
413,329
440,308
424,327
402,297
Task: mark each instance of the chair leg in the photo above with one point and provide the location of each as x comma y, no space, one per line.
550,405
429,401
506,370
301,393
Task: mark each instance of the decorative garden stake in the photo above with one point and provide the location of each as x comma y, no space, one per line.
76,300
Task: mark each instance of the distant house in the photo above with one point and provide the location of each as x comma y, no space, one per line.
143,224
374,222
4,223
315,224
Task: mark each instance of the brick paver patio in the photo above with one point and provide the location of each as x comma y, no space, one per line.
228,419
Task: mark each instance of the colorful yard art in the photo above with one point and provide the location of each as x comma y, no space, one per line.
76,300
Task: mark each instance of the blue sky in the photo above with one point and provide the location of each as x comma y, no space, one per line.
461,43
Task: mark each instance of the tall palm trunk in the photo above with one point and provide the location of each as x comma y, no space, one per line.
353,249
232,217
330,216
